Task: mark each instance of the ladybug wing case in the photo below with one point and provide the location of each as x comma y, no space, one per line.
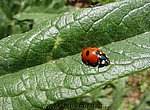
89,57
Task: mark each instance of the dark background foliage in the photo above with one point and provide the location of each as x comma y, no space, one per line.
19,16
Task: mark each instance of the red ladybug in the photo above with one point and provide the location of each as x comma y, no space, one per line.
94,56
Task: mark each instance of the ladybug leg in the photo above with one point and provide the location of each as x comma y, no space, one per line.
98,69
99,66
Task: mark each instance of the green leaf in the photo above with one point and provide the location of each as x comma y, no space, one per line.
68,77
68,34
4,25
50,6
11,8
39,13
36,17
58,6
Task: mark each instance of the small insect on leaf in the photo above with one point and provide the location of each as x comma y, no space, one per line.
94,57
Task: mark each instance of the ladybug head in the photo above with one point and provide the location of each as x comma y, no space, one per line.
103,60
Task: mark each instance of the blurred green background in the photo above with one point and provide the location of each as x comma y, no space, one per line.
19,16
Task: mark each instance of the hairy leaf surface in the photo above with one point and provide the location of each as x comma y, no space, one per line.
69,33
68,77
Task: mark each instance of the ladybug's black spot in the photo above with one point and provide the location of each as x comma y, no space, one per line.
87,52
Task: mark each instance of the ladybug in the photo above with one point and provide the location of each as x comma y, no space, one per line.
94,56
